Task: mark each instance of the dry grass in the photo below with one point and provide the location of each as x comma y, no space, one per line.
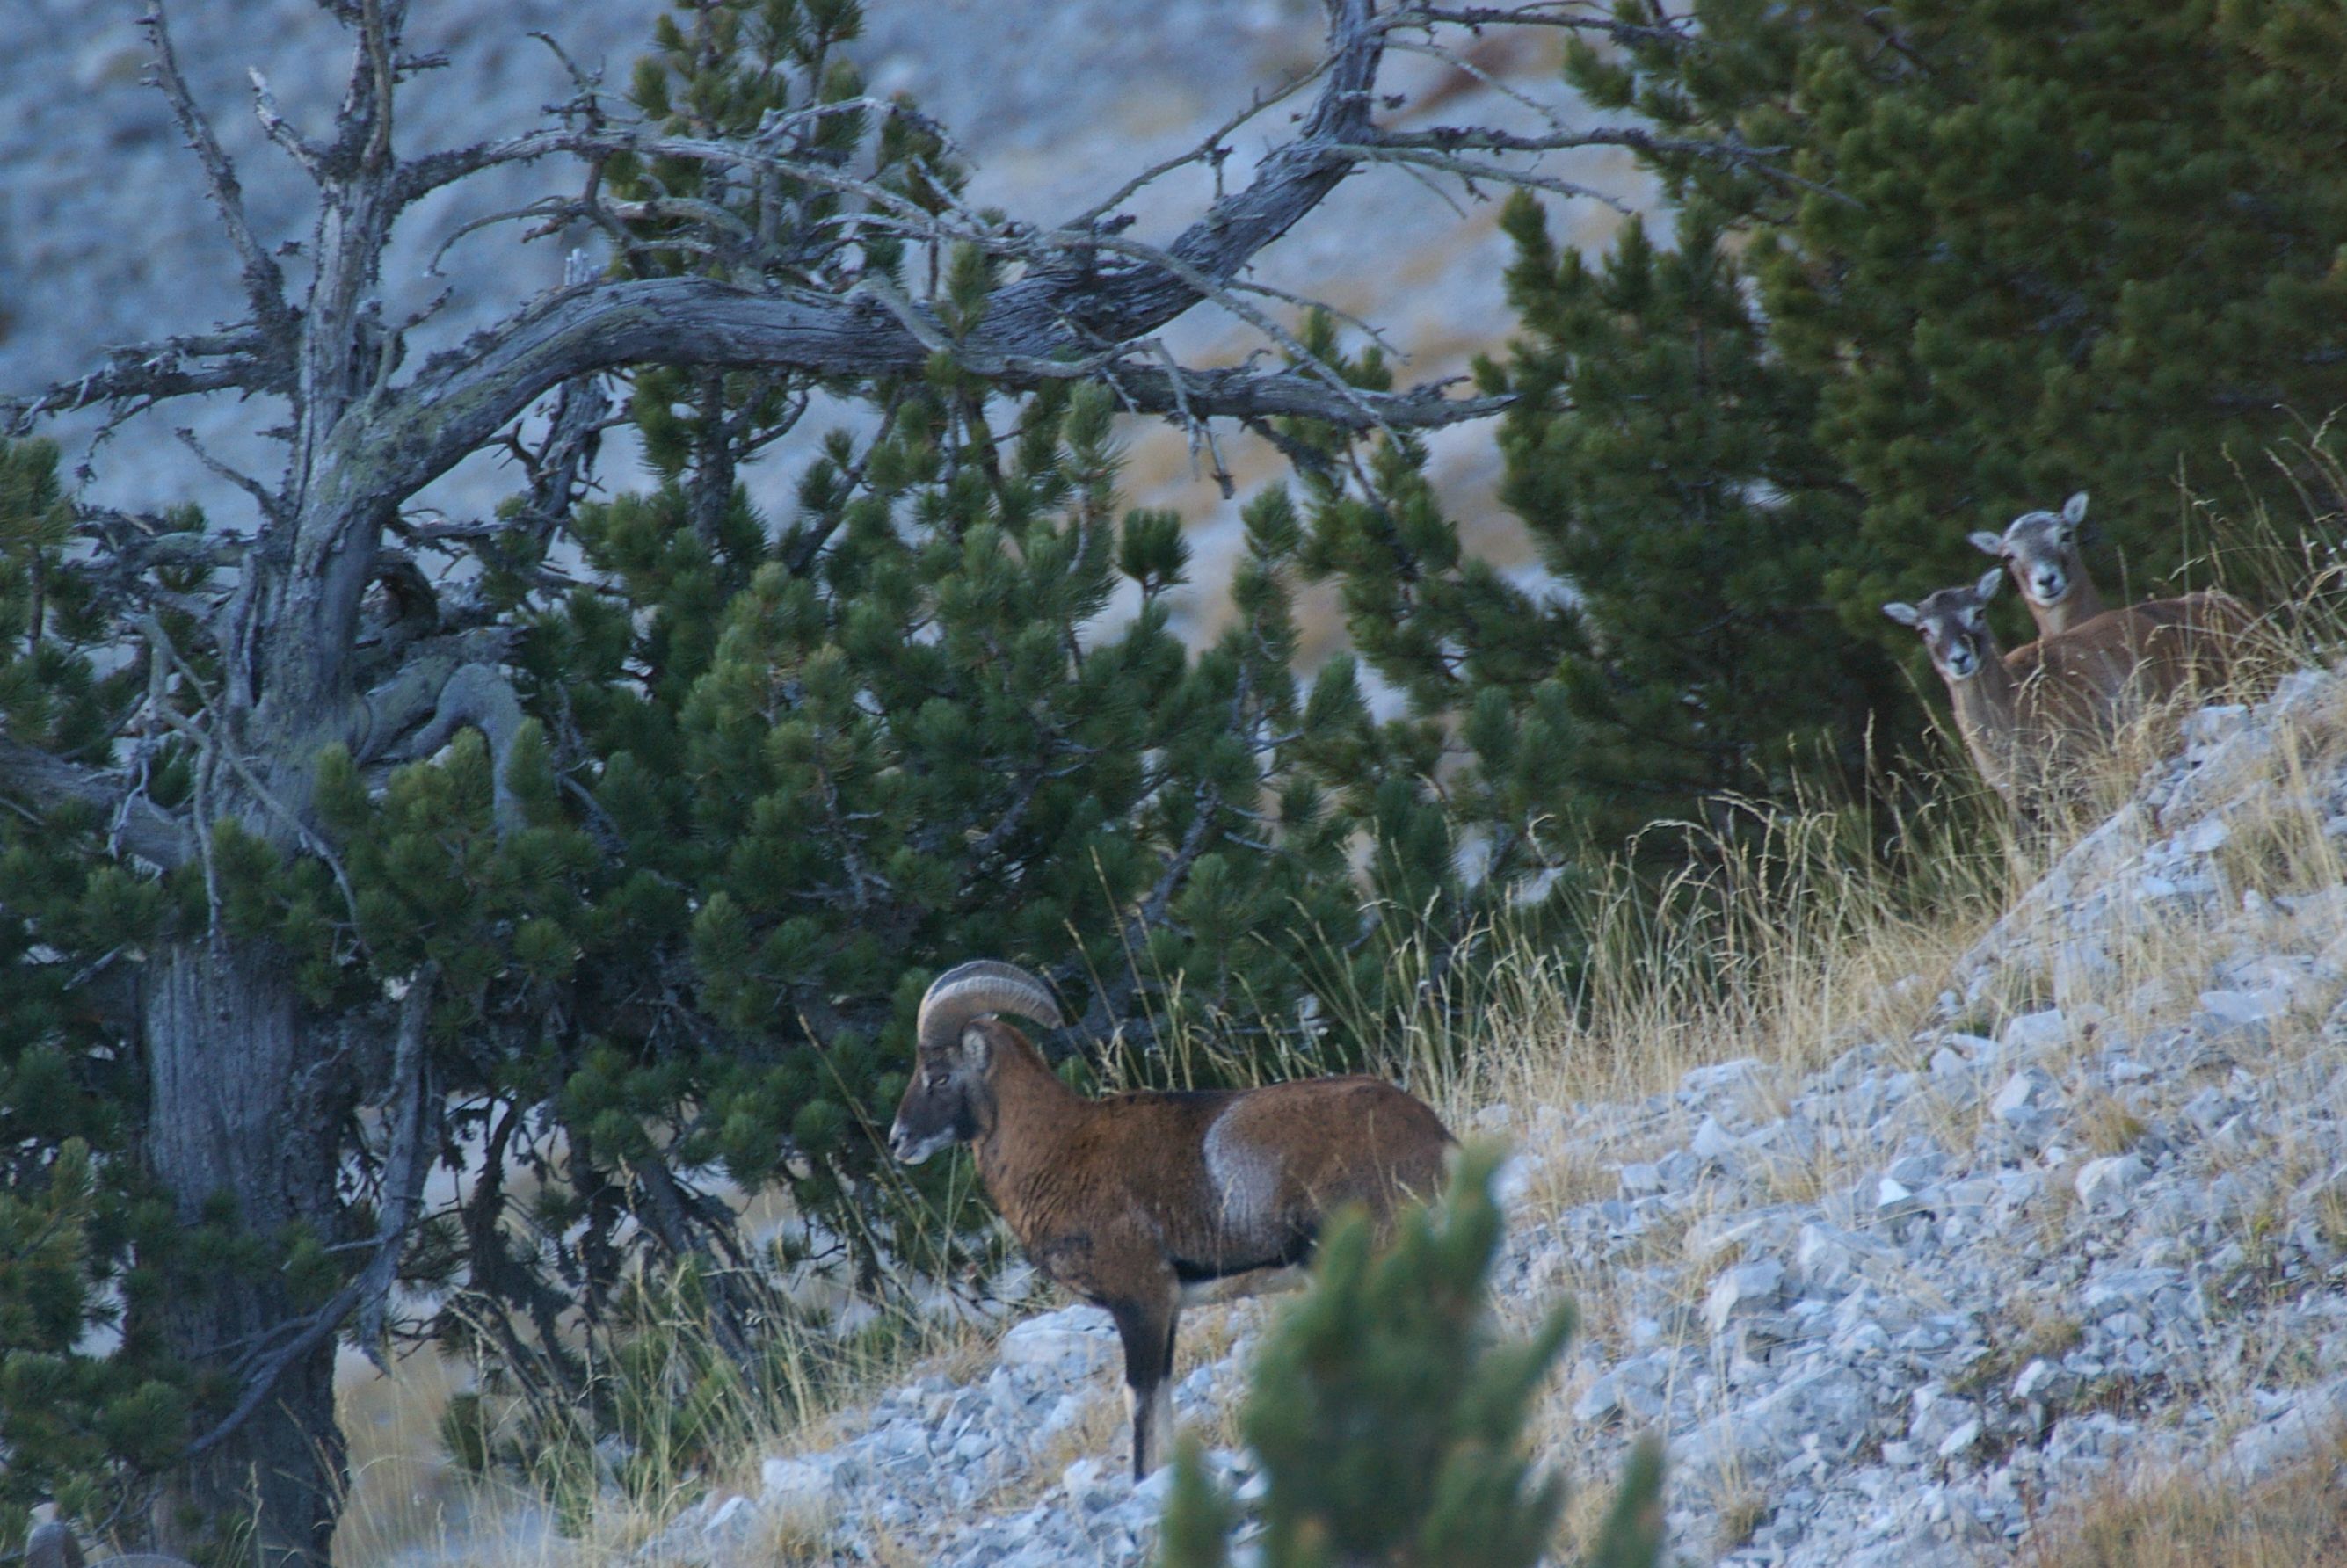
1740,1511
403,1488
1795,941
2190,1517
1568,1176
551,1498
1100,1430
2107,1125
793,1540
2036,1329
1585,1512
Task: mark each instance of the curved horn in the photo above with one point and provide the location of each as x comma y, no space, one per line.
981,986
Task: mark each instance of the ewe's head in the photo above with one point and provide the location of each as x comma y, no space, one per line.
2042,548
956,1050
1953,624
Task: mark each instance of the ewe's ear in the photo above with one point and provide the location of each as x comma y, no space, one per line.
1987,586
1989,544
2074,510
1905,614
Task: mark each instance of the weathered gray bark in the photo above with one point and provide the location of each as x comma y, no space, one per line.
227,1053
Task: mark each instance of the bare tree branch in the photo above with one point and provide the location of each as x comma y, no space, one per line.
264,285
273,124
477,695
148,831
243,359
458,402
404,1160
1573,16
1453,140
389,711
272,505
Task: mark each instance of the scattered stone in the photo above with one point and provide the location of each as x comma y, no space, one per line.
1069,1342
2105,1185
2228,1011
2024,1097
2204,836
793,1484
1747,1288
2035,1032
2043,1382
1714,1142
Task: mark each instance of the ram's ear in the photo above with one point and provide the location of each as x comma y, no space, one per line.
977,1046
1905,614
1989,544
1989,582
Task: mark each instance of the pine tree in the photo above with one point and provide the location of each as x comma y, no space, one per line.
84,1239
2062,245
1390,1417
1689,655
1661,454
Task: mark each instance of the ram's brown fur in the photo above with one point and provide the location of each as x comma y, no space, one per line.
1136,1201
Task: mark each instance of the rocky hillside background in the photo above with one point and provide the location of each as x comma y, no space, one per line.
106,236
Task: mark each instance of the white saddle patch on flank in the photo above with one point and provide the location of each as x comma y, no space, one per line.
1247,1182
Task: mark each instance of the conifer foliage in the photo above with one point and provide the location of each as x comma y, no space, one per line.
1390,1417
2032,249
1662,454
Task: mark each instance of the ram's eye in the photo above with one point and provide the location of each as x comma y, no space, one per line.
935,1078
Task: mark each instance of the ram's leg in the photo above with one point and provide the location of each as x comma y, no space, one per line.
1160,1425
1146,1329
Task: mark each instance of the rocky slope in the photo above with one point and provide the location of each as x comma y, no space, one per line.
2094,1214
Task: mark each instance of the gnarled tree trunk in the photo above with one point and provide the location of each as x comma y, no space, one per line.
235,1079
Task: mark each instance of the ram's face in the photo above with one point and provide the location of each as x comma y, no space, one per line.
940,1105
